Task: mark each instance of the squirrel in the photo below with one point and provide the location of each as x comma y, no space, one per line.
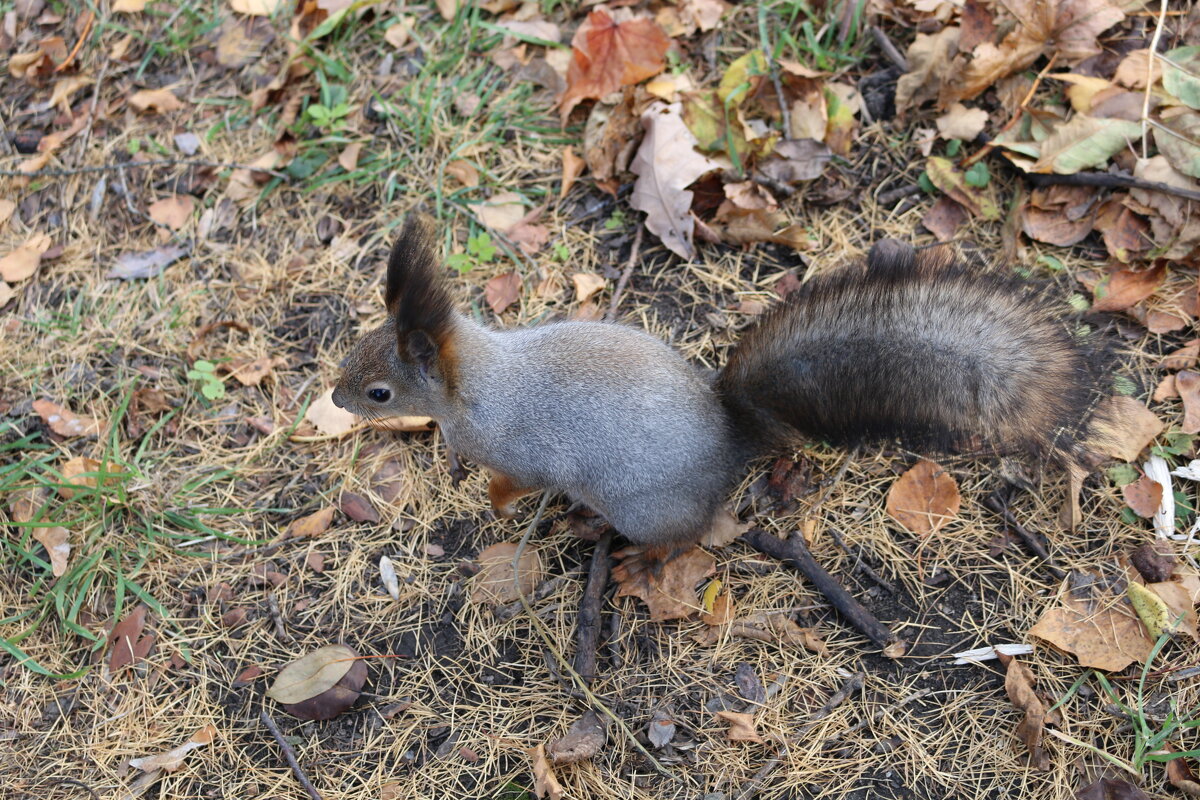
916,347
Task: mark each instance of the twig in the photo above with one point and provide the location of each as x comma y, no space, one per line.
154,162
544,590
624,279
1034,544
587,640
1158,29
753,786
1107,180
889,49
795,554
898,194
87,131
289,754
73,782
277,618
548,640
87,29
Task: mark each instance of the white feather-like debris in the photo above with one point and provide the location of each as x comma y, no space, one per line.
1191,471
990,652
1164,518
387,573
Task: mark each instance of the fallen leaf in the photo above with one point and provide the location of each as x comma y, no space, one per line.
1135,69
960,122
257,8
951,180
1143,495
582,740
502,291
7,207
1018,684
587,285
725,529
1125,287
23,262
661,729
1177,136
1123,427
402,424
1179,775
1184,357
572,166
129,6
944,218
1085,142
155,101
65,423
463,172
328,418
447,8
1112,789
502,212
54,539
82,471
1053,226
311,525
126,642
252,371
493,584
358,508
671,594
741,726
719,609
173,759
607,55
545,783
930,65
796,160
348,158
1187,383
389,578
243,41
748,683
924,498
1100,631
173,211
1180,70
321,684
1125,233
666,164
397,35
146,264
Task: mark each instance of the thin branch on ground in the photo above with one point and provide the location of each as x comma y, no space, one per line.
289,754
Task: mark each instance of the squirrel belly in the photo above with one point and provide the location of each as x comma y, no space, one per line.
916,348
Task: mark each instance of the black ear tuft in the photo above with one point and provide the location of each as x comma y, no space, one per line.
416,296
891,257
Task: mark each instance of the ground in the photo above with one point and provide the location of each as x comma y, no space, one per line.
194,523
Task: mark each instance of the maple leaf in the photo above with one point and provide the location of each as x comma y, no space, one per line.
608,54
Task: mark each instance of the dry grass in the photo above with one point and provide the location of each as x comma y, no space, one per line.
475,691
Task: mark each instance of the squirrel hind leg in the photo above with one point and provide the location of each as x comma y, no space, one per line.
504,492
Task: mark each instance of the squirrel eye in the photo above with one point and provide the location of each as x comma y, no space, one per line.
379,395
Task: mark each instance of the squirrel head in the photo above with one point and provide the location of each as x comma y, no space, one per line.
407,365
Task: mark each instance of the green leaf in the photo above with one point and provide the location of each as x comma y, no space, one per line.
953,147
735,82
201,365
460,261
1085,142
977,175
926,184
1181,74
1079,303
1179,140
1053,264
213,390
1123,384
1122,474
952,182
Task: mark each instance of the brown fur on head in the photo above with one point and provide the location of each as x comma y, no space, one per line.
407,365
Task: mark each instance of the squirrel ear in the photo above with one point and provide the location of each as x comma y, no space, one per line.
412,264
891,257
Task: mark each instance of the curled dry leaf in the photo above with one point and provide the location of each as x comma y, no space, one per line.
23,262
501,212
389,578
1188,385
1143,495
661,729
1123,428
924,498
545,782
54,539
127,642
741,726
502,291
251,372
1101,631
148,263
666,164
725,528
311,525
328,418
155,101
357,508
1125,287
173,211
173,759
587,285
960,122
321,684
607,54
494,582
572,167
671,594
582,741
944,218
464,172
1018,683
65,423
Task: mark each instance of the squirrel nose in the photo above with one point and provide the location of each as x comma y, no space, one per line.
338,399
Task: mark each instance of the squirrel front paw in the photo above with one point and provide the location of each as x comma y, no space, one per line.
504,493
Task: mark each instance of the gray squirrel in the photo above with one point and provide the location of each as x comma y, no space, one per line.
916,347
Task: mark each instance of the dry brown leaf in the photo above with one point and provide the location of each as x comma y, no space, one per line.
722,611
1180,600
357,507
173,211
1144,496
129,6
1124,427
328,418
725,529
257,8
464,172
502,291
23,262
924,498
57,548
587,285
310,525
65,423
1125,233
252,371
155,101
741,726
448,8
582,740
572,166
1115,789
1135,68
1018,683
545,783
76,471
173,759
608,54
7,207
1101,632
1123,288
502,212
960,122
348,158
672,593
493,584
397,35
944,218
1184,357
1187,383
930,65
313,673
243,41
127,642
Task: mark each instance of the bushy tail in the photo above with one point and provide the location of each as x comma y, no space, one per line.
916,348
